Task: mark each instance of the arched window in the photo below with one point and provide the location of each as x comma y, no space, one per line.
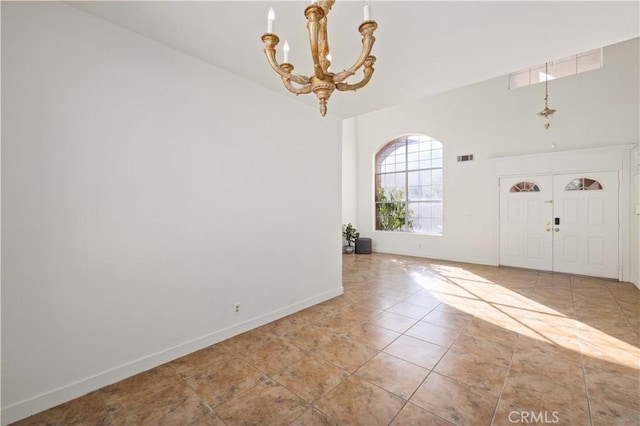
408,178
525,187
583,184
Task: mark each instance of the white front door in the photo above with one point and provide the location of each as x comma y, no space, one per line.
526,210
563,223
586,236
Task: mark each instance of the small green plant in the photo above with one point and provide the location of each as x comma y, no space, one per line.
350,234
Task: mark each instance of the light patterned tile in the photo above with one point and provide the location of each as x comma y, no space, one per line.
225,381
412,415
265,404
433,333
409,310
197,362
139,386
346,353
170,406
394,322
88,409
275,356
454,401
473,371
310,378
356,401
417,351
393,374
313,417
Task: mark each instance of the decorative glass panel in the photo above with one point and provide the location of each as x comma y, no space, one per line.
525,187
583,184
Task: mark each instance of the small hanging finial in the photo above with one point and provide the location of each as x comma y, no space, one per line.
547,112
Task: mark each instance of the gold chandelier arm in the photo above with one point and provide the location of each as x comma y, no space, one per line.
284,70
270,42
297,78
366,29
300,79
306,88
368,72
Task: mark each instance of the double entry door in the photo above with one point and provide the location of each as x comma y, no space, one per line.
561,222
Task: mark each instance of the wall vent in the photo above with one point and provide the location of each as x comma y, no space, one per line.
468,157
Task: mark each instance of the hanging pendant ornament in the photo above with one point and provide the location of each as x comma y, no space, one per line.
547,112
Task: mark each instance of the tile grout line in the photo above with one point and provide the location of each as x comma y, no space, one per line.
626,317
584,372
407,400
506,377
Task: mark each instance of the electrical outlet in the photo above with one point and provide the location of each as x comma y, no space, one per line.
236,309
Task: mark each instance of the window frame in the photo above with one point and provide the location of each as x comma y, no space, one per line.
566,67
379,158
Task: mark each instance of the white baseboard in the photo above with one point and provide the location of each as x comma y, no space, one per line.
438,256
28,407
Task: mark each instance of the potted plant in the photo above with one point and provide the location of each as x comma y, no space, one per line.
350,235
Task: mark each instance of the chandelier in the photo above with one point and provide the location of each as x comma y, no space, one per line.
547,112
322,82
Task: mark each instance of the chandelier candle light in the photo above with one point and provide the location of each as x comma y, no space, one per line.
547,112
322,82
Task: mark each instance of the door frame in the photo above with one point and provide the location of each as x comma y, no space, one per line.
546,190
602,159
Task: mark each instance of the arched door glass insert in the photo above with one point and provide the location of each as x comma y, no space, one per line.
525,187
583,184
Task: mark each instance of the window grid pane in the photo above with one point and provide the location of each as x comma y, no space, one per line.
409,186
564,67
584,184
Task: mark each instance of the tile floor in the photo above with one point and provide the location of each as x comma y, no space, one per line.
411,342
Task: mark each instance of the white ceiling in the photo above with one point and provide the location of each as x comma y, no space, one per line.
422,47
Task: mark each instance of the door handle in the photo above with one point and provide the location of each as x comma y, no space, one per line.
557,229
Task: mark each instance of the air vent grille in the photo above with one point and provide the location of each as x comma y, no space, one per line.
468,157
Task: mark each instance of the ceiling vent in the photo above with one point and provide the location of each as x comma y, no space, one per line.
468,157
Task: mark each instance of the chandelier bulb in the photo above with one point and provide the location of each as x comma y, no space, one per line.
286,52
271,16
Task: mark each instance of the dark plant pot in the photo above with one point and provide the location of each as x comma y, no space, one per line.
349,249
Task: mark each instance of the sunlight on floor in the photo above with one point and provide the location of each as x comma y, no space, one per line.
513,306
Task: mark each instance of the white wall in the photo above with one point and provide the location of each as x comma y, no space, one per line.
488,120
144,193
0,213
634,207
349,175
